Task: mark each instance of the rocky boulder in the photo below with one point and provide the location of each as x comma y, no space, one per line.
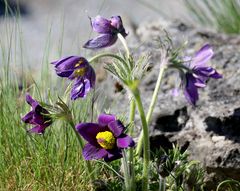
211,130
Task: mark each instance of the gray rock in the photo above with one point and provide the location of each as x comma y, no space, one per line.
211,130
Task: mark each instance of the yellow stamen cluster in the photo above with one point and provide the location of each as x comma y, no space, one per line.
80,71
79,63
106,140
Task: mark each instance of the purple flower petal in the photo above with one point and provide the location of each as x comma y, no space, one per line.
80,88
202,56
125,141
191,92
28,117
108,30
37,129
57,62
207,72
216,75
199,83
30,100
105,119
65,67
199,73
89,131
102,41
91,76
41,120
101,25
116,21
38,116
91,152
116,127
75,67
113,155
204,71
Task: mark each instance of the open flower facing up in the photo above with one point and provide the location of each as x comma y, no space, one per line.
106,139
108,30
198,73
38,116
78,68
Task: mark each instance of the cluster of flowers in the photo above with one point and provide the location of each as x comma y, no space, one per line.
106,139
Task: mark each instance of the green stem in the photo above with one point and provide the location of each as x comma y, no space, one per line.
162,184
123,41
132,115
107,55
131,156
81,143
65,158
152,104
146,148
128,161
127,176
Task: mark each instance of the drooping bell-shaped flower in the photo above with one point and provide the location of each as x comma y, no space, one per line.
108,30
198,73
38,116
78,69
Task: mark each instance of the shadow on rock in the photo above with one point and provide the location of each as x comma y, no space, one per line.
172,123
228,126
160,141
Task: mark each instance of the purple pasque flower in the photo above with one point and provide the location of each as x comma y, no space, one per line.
198,73
108,30
38,116
78,69
106,139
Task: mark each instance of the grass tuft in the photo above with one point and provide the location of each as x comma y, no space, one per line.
223,15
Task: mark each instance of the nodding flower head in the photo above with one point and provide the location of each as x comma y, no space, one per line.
108,30
198,73
38,116
106,139
78,69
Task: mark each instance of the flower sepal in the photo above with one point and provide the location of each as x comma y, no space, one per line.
59,110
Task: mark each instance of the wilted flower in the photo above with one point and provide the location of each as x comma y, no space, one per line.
78,68
38,116
108,30
198,73
106,139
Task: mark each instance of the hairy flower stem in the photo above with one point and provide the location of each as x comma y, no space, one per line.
129,173
126,171
65,158
153,102
131,180
132,115
81,143
146,148
162,184
123,41
128,161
